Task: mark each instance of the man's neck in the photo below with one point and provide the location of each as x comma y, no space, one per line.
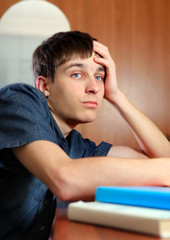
65,127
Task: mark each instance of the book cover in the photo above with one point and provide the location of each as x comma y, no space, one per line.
137,219
152,197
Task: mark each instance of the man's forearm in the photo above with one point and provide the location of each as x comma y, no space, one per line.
82,176
149,137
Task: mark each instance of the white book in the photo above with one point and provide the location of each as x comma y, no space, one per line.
138,219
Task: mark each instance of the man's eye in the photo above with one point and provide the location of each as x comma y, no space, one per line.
77,75
99,78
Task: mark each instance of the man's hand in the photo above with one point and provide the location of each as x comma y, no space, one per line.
111,88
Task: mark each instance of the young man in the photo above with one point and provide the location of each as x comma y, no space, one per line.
43,159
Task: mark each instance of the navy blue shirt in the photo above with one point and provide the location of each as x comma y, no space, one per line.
27,206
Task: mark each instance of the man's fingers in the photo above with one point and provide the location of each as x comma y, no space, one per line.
102,50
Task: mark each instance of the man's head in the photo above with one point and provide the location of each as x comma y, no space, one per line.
58,49
66,72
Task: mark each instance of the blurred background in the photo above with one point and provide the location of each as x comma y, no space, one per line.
137,33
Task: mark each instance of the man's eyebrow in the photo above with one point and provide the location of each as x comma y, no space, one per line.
101,69
80,65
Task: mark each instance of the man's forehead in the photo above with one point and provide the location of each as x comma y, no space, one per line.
78,61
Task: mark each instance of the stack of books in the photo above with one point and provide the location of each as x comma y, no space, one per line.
139,209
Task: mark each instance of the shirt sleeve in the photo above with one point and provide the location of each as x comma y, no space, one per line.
24,116
80,147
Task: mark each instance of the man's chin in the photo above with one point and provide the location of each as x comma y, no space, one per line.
88,120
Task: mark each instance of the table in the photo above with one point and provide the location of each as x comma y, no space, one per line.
63,229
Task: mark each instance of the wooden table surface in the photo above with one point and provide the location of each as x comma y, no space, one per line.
63,229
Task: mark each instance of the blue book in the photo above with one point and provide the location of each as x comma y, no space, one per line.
142,196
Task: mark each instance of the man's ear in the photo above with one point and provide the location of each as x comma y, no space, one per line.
42,84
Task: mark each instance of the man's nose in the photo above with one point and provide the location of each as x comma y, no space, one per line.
92,86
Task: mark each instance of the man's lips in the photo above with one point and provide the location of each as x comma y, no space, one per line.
90,104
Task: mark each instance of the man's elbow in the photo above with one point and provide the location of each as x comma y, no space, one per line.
63,185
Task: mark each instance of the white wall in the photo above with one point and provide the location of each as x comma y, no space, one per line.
15,58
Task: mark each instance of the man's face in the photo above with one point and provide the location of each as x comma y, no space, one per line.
77,91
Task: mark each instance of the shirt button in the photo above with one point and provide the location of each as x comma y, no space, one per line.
46,202
42,227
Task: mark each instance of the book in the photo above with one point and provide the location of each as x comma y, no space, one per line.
150,221
152,197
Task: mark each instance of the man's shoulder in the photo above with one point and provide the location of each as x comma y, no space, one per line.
21,92
19,88
23,99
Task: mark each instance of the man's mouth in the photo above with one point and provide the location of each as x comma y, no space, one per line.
90,104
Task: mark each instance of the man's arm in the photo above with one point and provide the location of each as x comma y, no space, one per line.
149,137
77,179
125,152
